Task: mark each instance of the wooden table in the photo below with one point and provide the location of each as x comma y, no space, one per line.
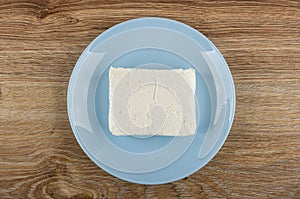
40,42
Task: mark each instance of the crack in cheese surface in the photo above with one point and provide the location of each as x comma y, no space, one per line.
152,101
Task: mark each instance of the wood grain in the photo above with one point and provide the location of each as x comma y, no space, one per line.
40,42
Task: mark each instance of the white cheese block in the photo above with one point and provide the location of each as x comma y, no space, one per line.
152,102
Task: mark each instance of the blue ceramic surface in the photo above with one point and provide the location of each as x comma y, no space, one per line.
198,150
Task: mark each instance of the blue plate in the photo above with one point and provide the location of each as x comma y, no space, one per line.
144,43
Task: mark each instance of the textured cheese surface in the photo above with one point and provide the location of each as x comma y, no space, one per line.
152,101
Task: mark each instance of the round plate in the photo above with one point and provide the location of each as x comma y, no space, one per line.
144,43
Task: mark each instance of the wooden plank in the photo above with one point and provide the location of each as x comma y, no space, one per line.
40,42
